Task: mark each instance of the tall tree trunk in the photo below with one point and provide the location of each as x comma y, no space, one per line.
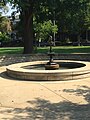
28,30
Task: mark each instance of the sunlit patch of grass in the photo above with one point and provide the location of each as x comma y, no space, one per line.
59,49
11,50
65,49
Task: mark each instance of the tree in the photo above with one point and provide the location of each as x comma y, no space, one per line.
25,7
5,25
73,16
45,29
5,28
28,8
69,15
3,7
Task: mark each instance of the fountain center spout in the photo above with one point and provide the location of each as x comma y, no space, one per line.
51,65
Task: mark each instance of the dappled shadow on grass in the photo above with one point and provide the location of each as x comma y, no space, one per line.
45,110
82,90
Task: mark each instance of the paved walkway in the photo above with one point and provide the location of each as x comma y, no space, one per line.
34,100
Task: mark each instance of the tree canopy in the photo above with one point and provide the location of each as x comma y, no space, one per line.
71,16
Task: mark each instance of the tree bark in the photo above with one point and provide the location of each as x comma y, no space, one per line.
28,30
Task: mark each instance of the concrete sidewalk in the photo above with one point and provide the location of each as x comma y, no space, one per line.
34,100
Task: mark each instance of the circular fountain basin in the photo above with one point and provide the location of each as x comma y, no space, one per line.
69,70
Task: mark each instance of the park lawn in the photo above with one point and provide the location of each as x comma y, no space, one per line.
65,49
11,50
59,49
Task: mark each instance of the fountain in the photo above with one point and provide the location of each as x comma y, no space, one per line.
49,70
51,65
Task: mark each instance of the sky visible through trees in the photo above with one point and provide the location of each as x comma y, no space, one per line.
10,10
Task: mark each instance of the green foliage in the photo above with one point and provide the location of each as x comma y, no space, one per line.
71,16
4,24
4,37
43,30
3,7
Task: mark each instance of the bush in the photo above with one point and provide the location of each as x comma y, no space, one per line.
4,37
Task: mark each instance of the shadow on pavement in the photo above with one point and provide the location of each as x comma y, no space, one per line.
45,110
82,90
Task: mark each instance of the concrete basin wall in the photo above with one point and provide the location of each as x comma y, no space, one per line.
17,71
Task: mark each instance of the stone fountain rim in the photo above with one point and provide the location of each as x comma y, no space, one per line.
16,71
18,67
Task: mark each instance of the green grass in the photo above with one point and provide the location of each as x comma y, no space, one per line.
66,49
59,49
11,50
